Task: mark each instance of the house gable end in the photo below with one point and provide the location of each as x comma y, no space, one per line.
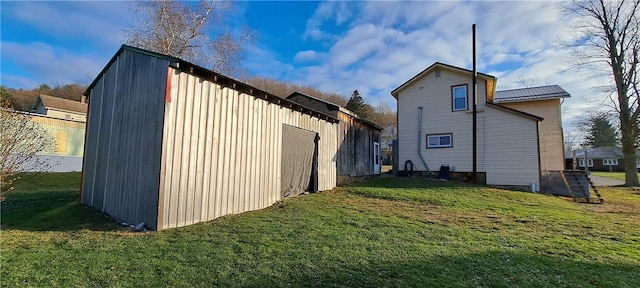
490,80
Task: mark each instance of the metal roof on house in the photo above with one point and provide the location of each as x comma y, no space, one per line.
530,94
51,102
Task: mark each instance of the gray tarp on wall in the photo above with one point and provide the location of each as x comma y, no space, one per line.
298,152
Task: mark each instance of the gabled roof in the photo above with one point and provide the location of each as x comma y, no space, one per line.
598,153
530,94
330,105
56,103
437,65
333,106
193,69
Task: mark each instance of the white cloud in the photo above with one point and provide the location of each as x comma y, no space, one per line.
386,43
308,56
62,42
51,65
99,22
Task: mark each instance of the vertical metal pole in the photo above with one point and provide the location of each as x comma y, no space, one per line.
474,175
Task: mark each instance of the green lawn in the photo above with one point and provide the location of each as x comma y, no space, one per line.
614,175
383,232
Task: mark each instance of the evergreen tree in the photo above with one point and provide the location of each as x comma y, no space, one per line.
357,105
600,132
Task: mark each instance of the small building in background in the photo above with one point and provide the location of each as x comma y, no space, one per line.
64,120
596,159
358,139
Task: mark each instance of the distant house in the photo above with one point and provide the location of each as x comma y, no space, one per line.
597,159
519,132
64,120
61,108
358,139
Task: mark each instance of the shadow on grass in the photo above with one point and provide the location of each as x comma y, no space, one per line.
51,210
492,269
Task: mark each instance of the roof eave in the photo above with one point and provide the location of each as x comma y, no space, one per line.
515,111
395,92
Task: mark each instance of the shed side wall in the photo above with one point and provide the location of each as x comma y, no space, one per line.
222,151
355,147
124,139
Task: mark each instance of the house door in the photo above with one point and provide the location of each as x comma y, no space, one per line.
376,158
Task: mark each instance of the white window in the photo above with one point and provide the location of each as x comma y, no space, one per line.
459,97
610,162
439,141
581,162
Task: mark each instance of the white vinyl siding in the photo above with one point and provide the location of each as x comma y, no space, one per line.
459,98
508,153
551,139
511,155
434,95
439,141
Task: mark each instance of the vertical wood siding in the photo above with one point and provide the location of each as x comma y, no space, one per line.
222,151
124,139
355,138
355,146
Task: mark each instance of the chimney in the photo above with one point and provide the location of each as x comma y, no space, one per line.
83,99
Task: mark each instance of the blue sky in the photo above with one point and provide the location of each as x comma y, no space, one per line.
336,46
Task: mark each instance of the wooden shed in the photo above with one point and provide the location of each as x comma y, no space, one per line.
171,144
358,139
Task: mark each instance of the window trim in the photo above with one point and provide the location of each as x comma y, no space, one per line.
581,162
453,102
450,135
610,162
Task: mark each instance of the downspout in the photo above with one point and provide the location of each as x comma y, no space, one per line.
420,140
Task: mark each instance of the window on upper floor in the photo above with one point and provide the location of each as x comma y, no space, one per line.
459,97
439,140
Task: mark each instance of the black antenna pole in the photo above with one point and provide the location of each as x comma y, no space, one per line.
474,175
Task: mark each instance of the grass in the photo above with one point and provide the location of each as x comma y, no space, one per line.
383,232
614,175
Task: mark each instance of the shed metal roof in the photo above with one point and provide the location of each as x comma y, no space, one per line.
530,94
217,78
340,108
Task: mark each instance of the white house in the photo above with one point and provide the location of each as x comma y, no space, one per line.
516,130
61,108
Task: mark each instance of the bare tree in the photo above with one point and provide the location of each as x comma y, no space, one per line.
20,141
609,33
192,30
